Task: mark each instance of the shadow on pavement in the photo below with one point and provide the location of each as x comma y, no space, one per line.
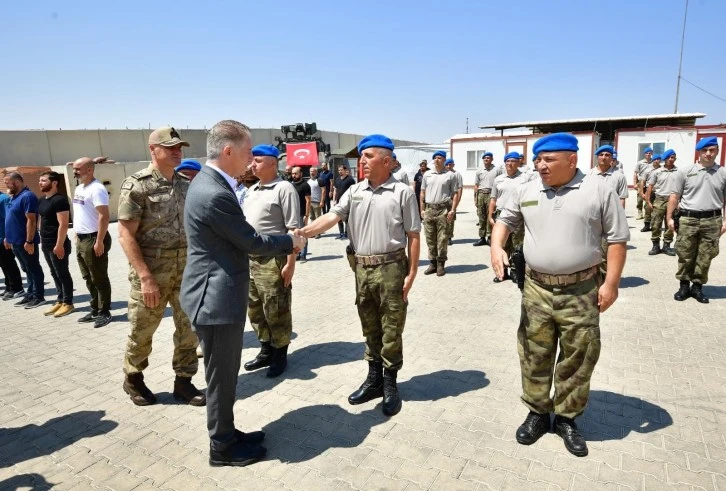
632,282
31,441
323,258
611,416
464,241
465,268
311,431
26,481
712,291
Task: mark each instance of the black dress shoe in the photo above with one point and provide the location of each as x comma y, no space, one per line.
574,441
238,455
697,293
534,426
480,242
253,437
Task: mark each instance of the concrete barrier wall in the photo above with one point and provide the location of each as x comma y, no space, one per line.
56,147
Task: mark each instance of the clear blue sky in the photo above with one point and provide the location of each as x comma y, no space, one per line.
410,69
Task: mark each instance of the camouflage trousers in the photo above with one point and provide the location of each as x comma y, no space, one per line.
696,246
436,231
270,302
639,202
450,227
382,311
657,220
515,238
604,263
144,320
568,315
482,211
648,213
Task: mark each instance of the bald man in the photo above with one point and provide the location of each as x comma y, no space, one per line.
90,223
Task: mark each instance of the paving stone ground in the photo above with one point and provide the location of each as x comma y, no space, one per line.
655,420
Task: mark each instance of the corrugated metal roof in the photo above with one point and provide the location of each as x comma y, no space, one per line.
680,117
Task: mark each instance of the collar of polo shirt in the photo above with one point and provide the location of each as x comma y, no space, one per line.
574,183
388,183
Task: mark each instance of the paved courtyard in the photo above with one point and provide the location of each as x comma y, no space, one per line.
656,418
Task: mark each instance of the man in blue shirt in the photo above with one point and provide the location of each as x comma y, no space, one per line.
326,177
13,281
21,233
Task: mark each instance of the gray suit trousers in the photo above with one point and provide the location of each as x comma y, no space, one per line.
222,348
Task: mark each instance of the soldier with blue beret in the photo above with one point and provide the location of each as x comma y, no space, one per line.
189,168
639,168
659,190
483,184
449,164
655,164
385,234
699,190
563,294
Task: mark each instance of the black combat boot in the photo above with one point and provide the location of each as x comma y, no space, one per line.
574,441
481,242
135,387
184,390
683,292
372,387
646,227
697,293
262,359
391,399
278,362
656,248
440,271
534,426
668,250
431,269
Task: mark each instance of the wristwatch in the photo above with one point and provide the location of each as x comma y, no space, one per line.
28,241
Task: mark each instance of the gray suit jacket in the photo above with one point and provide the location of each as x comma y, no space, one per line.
215,286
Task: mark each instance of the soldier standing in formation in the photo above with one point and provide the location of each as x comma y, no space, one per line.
561,301
483,184
272,207
449,164
398,172
643,187
438,206
659,183
700,191
151,233
417,180
639,168
384,222
502,191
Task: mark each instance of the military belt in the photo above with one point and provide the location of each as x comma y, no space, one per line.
701,214
379,259
562,279
158,253
486,191
86,236
438,206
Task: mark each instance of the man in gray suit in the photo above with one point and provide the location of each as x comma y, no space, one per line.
215,285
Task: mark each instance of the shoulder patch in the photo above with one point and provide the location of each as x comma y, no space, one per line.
127,184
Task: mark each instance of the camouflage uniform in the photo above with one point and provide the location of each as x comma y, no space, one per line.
158,206
439,190
644,176
270,301
482,211
382,311
696,246
437,232
571,315
450,225
639,168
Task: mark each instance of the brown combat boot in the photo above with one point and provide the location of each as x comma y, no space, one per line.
184,390
135,387
440,269
431,269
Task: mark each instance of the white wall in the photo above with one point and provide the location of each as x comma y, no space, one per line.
682,141
459,154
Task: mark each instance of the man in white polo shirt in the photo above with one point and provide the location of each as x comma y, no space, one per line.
90,223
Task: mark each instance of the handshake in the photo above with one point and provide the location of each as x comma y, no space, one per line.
298,240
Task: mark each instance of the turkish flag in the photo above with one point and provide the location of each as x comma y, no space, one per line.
302,154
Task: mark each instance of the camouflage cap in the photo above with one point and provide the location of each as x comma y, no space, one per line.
166,136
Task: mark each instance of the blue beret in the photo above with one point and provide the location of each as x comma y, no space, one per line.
189,164
534,157
668,153
438,153
393,154
449,161
709,141
605,148
648,150
488,154
556,142
656,156
511,155
265,151
377,141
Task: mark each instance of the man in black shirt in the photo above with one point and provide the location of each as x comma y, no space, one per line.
303,191
423,167
341,185
326,177
54,212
